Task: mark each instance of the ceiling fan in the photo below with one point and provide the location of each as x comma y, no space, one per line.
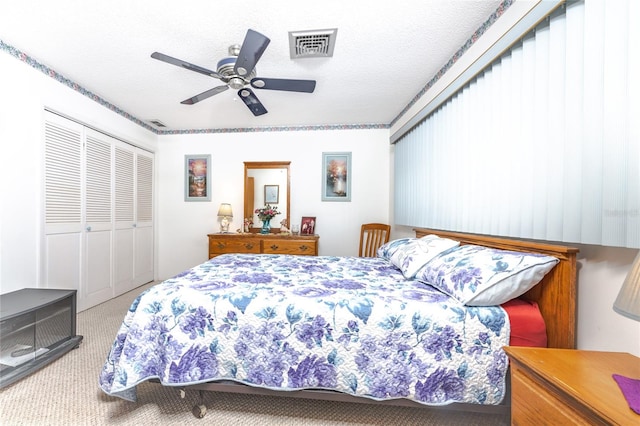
238,71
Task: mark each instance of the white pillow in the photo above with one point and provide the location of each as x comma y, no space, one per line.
388,249
482,276
417,252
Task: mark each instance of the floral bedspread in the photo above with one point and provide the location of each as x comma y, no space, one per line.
354,325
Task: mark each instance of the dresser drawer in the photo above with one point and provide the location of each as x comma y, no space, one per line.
258,243
533,404
282,246
223,246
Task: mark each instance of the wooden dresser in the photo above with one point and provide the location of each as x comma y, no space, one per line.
262,243
568,386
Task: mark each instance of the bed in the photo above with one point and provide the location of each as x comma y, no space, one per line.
396,329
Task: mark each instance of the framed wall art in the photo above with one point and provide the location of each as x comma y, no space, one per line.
308,225
197,177
271,194
336,176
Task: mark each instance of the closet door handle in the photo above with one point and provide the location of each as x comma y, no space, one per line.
89,228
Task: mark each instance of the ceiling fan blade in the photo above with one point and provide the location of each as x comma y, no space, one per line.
204,95
253,47
180,63
307,86
252,102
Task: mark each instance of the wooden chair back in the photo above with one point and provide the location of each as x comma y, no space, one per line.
372,236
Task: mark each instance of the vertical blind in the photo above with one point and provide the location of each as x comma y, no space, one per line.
544,143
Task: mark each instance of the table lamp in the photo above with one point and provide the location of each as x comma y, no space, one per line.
628,301
628,304
225,213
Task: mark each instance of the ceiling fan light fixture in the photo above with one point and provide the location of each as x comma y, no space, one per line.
237,83
234,50
238,71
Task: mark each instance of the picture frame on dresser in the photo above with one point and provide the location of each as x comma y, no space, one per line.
308,225
197,177
336,176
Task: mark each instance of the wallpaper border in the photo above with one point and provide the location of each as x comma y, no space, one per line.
78,88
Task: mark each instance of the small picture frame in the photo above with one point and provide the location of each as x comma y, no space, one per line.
197,177
271,194
308,225
336,176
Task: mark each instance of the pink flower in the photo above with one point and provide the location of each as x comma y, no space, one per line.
267,212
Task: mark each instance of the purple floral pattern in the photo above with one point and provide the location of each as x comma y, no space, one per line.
482,276
354,325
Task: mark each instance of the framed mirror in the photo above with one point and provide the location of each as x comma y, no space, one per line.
267,182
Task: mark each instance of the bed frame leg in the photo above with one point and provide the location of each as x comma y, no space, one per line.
199,410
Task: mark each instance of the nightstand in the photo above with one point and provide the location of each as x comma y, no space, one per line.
568,386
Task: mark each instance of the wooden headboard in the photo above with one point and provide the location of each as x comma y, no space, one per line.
555,294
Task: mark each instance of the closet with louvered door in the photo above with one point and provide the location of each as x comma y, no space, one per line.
63,205
143,242
97,282
124,191
95,188
133,227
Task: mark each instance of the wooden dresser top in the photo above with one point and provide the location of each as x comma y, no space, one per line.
585,376
249,235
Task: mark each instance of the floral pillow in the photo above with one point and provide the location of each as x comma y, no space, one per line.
413,254
481,276
388,249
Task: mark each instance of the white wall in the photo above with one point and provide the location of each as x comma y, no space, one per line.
181,227
24,93
186,224
600,275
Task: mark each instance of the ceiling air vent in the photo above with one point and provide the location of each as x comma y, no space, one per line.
157,123
312,44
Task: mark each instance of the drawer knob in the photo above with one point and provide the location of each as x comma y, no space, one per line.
304,247
274,247
249,246
221,245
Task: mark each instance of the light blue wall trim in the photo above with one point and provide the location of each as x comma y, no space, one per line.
498,13
276,129
543,9
70,84
74,86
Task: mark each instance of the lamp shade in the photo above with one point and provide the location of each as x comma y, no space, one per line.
628,301
225,210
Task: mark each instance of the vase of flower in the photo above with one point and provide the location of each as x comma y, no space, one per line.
265,214
266,226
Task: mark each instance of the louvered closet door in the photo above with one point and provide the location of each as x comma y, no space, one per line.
133,217
143,264
97,282
63,185
98,212
124,217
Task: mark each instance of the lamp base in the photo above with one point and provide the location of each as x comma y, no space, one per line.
224,226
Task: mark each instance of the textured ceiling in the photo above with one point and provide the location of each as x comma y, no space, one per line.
385,54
